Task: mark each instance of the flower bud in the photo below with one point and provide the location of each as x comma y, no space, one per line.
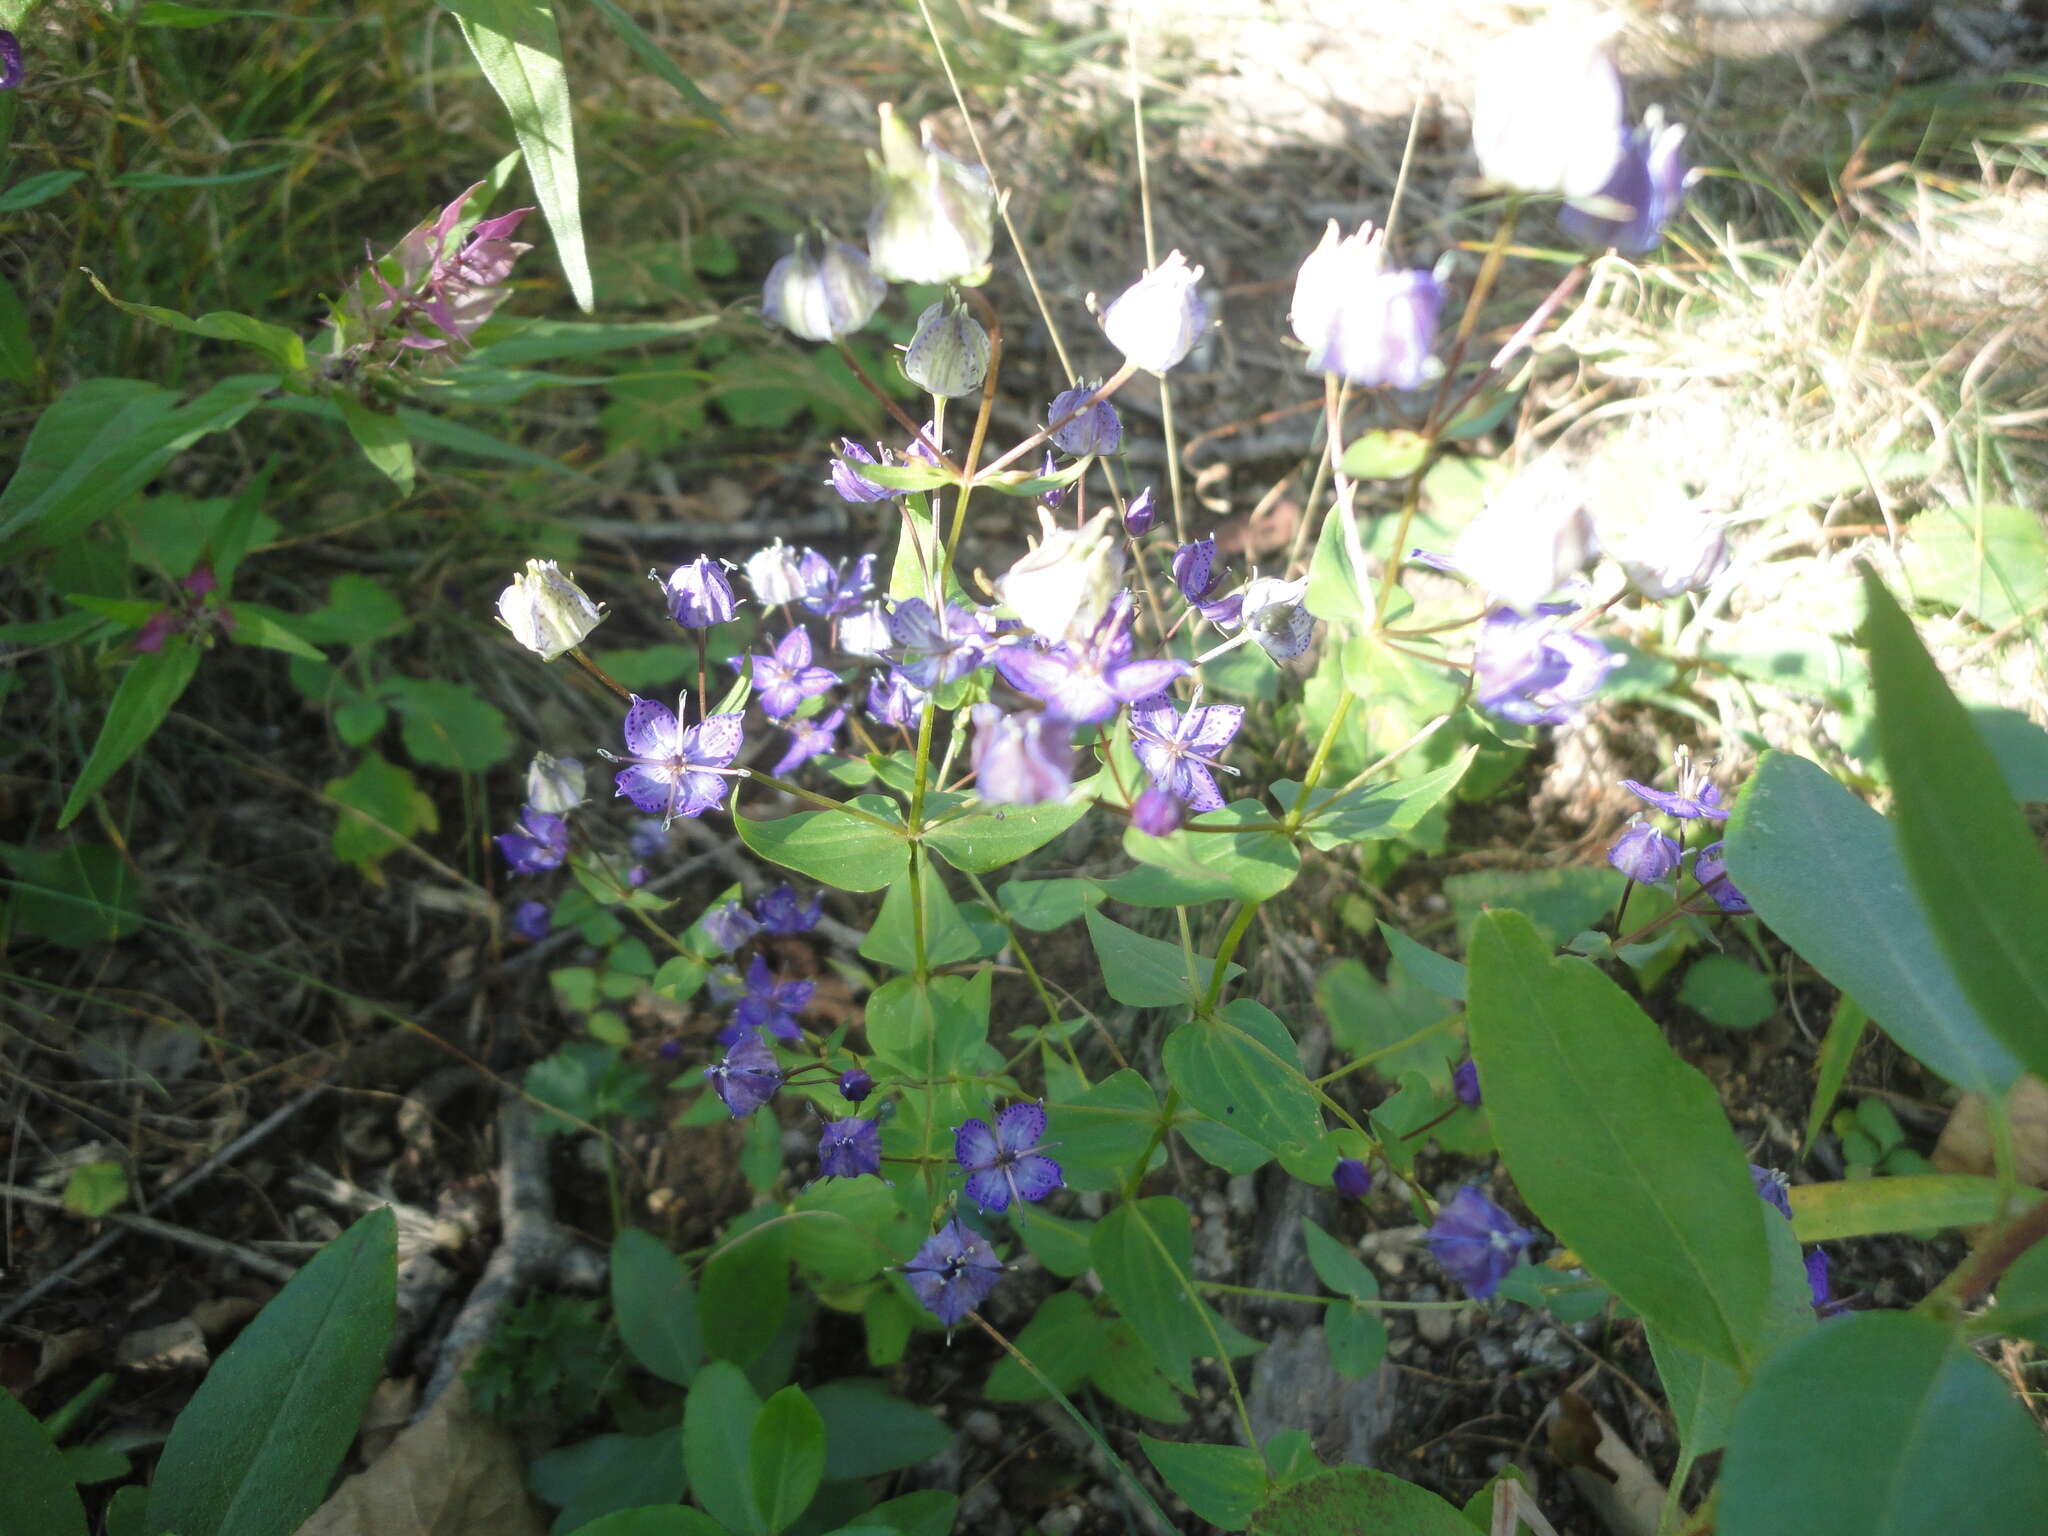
1465,1083
1644,854
531,921
776,575
934,216
1711,870
1062,588
546,611
699,594
554,784
1648,186
1158,319
1361,322
1352,1179
847,478
10,60
1156,812
729,925
1095,429
948,354
1021,759
855,1085
1534,535
1141,514
1679,550
822,290
1546,109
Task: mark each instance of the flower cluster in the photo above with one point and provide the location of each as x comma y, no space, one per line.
1650,856
539,841
432,291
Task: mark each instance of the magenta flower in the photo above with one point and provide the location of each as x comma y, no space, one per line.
768,1004
444,295
786,678
1180,750
674,772
747,1078
953,1272
1008,1162
808,739
849,1148
1021,759
1477,1242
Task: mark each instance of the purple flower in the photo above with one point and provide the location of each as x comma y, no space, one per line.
953,1272
531,920
786,678
443,295
847,479
1648,185
1644,854
849,1148
1771,1187
675,772
1006,1163
1711,871
1195,573
1141,514
1180,750
649,837
1528,670
1156,812
1465,1083
747,1078
542,842
1820,1284
822,290
808,739
781,913
10,61
936,648
894,699
1694,798
1088,682
1093,429
1352,1179
1360,321
698,593
769,1004
729,925
1021,759
1476,1242
831,590
855,1085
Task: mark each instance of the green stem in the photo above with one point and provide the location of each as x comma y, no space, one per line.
1374,1303
823,802
1231,939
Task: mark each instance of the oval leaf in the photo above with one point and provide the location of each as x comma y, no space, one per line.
849,852
656,1307
40,1498
1351,1501
786,1457
718,1431
1241,1070
255,1449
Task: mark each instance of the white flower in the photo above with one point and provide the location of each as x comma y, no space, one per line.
775,575
1273,615
546,611
1159,318
1547,108
1681,549
1534,535
554,784
1063,586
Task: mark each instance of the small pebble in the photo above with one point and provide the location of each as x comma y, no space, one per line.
1493,1353
1063,1521
983,1426
1436,1325
1242,1193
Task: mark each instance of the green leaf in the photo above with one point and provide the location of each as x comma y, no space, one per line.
509,344
17,352
1393,454
1620,1148
1991,562
1703,1393
1916,1435
40,188
40,1498
718,1432
359,610
1352,1501
1837,1050
1425,967
929,1028
1143,1251
516,43
892,940
847,852
381,807
1058,1242
154,682
283,347
77,894
1043,905
1103,1129
101,442
986,839
1374,810
650,53
1064,1339
656,1306
869,1430
1222,1484
786,1457
593,1479
1825,1213
254,1451
653,1520
928,1512
744,1296
1824,871
1399,1027
1730,993
1337,1266
1356,1339
1241,1070
1148,973
166,181
260,625
382,437
94,1189
1188,868
2023,1297
1975,865
446,725
1559,902
2021,748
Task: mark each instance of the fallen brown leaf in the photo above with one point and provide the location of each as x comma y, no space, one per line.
1965,1144
451,1474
